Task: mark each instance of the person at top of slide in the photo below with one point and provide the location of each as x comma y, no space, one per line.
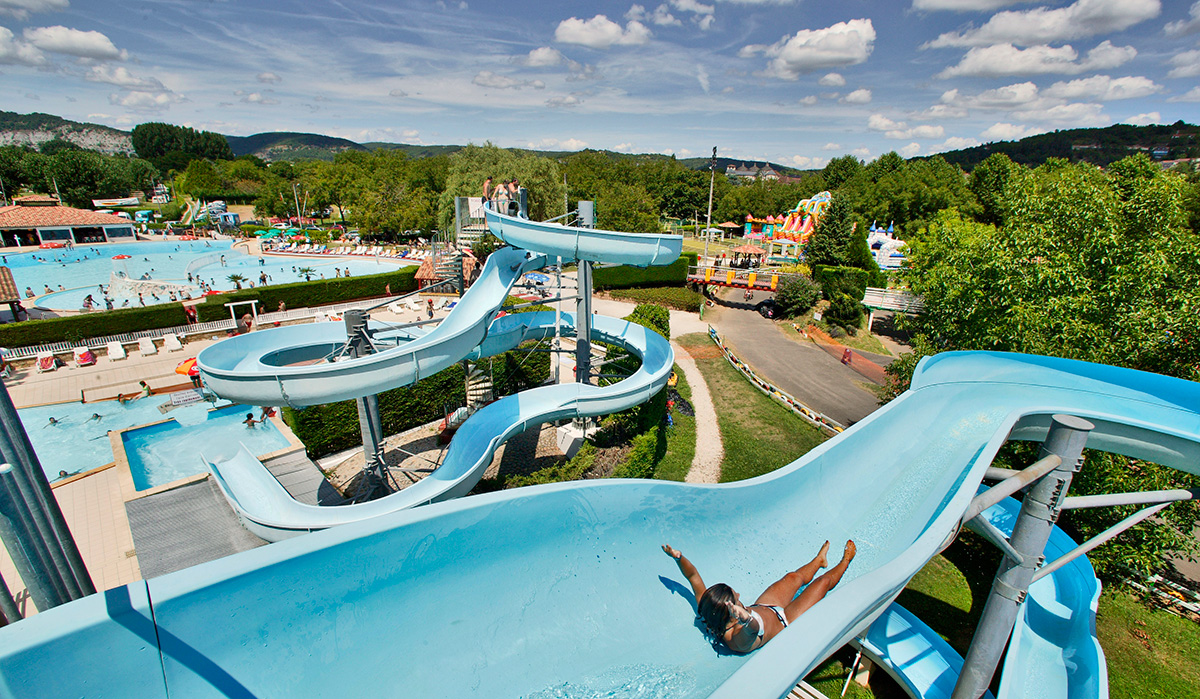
743,628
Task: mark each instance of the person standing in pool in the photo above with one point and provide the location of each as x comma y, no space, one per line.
745,628
250,422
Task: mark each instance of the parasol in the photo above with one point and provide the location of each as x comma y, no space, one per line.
120,257
188,368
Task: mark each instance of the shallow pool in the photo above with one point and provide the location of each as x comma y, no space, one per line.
163,453
79,442
86,269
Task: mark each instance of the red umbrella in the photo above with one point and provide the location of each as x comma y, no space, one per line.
120,257
188,368
213,292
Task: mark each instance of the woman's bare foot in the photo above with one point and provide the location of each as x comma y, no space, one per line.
822,558
850,551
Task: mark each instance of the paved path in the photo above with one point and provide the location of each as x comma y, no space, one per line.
815,378
706,464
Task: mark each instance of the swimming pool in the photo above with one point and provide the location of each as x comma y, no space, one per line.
163,453
86,268
80,443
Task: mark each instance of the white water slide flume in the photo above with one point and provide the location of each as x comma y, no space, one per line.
272,367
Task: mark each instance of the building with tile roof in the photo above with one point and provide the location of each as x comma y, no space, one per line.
40,220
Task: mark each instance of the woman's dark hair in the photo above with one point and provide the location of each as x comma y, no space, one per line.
715,608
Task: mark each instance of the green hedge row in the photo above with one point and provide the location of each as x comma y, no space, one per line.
314,293
850,281
88,325
330,428
627,277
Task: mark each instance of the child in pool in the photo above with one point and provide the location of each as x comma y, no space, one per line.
743,629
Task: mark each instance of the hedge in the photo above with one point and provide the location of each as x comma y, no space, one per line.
307,294
627,277
850,281
678,297
333,427
89,325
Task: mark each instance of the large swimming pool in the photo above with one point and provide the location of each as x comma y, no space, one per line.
79,442
86,268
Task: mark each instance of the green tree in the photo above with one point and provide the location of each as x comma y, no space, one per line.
829,244
470,166
796,294
987,183
840,170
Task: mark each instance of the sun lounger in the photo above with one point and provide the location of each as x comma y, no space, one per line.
45,362
84,356
115,351
146,347
171,342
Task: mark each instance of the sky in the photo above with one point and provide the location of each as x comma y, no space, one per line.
796,82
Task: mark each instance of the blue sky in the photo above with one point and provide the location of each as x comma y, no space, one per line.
793,81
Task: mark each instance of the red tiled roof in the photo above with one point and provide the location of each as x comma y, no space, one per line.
36,199
18,216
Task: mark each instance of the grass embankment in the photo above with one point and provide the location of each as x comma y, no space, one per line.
681,439
758,434
676,297
862,340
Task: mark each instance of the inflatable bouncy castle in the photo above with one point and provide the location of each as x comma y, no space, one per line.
796,225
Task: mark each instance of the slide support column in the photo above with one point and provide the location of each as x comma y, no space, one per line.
369,422
583,324
1039,511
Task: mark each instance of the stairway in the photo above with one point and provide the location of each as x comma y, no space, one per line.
479,387
449,265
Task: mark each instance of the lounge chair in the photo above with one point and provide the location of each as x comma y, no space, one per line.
146,347
46,362
171,342
84,357
115,351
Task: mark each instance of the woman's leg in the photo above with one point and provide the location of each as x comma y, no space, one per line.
821,586
781,592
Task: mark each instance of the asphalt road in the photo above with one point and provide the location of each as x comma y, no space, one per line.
806,371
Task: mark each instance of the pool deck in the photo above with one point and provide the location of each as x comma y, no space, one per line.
94,503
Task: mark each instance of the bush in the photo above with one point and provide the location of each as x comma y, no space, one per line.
678,297
844,312
314,293
795,295
627,277
90,325
835,281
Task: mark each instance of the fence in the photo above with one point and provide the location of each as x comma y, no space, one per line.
814,418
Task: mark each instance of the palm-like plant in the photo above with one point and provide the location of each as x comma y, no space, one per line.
237,280
306,272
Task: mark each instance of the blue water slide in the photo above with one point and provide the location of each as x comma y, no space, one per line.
562,590
269,511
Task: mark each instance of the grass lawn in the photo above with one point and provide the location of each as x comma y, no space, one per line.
864,340
759,435
1150,652
681,439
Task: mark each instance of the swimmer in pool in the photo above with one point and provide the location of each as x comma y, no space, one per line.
95,416
53,421
745,628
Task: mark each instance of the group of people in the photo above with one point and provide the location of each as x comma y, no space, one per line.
502,192
250,422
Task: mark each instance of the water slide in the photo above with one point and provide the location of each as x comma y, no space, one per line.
561,590
283,365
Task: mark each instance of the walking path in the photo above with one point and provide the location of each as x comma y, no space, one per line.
706,464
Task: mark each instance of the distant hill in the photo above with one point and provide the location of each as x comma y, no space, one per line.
34,129
1097,146
286,145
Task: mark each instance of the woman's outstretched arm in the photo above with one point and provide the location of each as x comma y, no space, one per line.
689,571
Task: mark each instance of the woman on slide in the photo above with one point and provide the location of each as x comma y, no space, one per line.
743,629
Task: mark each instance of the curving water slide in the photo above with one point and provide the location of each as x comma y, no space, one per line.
561,590
284,366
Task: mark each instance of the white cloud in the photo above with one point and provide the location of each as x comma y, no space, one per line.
955,143
623,147
910,150
270,78
901,131
1043,25
832,80
809,100
121,77
862,152
73,42
963,5
1004,131
702,76
1185,26
1007,97
542,58
600,32
21,9
144,101
860,96
843,44
1192,95
1006,59
556,144
566,101
397,92
804,162
259,98
940,111
13,51
831,146
1073,115
1185,65
487,78
1103,88
661,16
1147,119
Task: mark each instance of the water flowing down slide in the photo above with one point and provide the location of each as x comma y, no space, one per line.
562,590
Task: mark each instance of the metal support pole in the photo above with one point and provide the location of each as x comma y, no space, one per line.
8,605
583,324
557,312
359,345
712,177
1039,511
22,547
18,452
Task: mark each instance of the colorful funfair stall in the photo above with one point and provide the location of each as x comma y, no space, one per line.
791,231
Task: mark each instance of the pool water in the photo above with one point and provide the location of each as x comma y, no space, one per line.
163,453
84,269
79,443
